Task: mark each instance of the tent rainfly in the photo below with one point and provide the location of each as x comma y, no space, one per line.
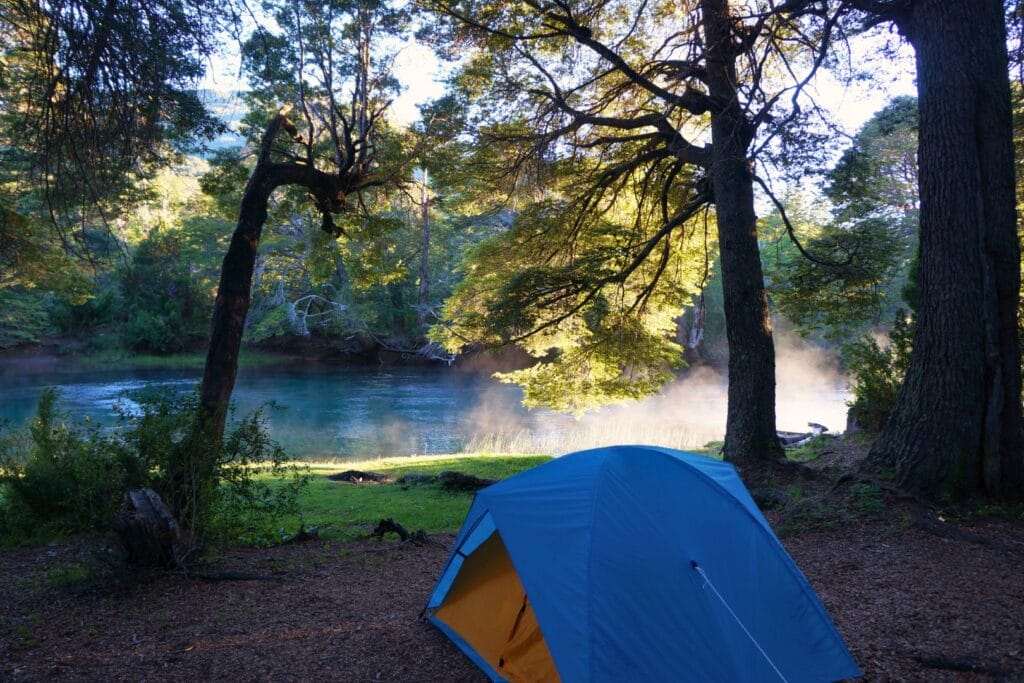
631,563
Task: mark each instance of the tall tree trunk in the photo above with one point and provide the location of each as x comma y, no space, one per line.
232,303
750,423
424,289
956,429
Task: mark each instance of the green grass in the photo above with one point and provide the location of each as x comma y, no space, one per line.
810,451
341,510
116,358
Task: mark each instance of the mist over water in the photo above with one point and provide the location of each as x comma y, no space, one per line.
352,412
688,413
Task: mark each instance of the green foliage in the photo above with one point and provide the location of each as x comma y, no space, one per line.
605,246
810,451
77,318
878,173
92,80
30,257
614,360
65,478
24,317
851,283
272,323
577,293
225,181
862,254
233,494
878,373
867,499
257,485
166,310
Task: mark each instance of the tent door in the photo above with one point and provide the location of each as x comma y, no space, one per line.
525,656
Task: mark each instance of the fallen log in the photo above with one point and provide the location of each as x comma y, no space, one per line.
359,477
462,482
449,480
797,439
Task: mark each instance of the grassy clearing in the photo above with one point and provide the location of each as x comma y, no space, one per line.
342,511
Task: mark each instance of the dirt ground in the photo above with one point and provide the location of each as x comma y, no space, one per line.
915,598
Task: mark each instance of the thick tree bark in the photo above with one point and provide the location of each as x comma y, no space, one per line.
956,430
233,293
232,305
750,423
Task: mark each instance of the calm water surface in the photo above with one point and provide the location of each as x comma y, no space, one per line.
318,410
323,411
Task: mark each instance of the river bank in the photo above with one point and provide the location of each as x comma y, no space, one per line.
68,355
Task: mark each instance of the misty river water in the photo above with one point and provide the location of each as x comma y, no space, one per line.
324,412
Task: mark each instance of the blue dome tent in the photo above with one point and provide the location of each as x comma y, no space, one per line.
631,563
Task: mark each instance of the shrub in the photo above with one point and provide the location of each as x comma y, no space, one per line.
63,478
249,483
878,373
58,478
257,485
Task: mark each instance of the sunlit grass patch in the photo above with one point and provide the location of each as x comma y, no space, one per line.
343,510
810,451
593,434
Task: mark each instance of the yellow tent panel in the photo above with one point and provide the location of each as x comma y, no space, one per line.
488,606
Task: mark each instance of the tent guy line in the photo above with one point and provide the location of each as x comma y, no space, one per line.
707,583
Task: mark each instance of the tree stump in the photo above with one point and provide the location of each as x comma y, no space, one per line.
148,531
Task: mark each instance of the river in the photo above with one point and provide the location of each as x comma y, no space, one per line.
337,412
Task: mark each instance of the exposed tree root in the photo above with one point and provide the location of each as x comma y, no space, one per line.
939,528
386,526
967,665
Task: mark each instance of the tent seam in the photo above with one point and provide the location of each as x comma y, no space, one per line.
460,541
598,483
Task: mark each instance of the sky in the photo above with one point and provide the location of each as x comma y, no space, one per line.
416,66
888,72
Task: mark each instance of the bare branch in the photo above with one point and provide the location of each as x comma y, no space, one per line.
791,231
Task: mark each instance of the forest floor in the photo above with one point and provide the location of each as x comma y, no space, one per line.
918,595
